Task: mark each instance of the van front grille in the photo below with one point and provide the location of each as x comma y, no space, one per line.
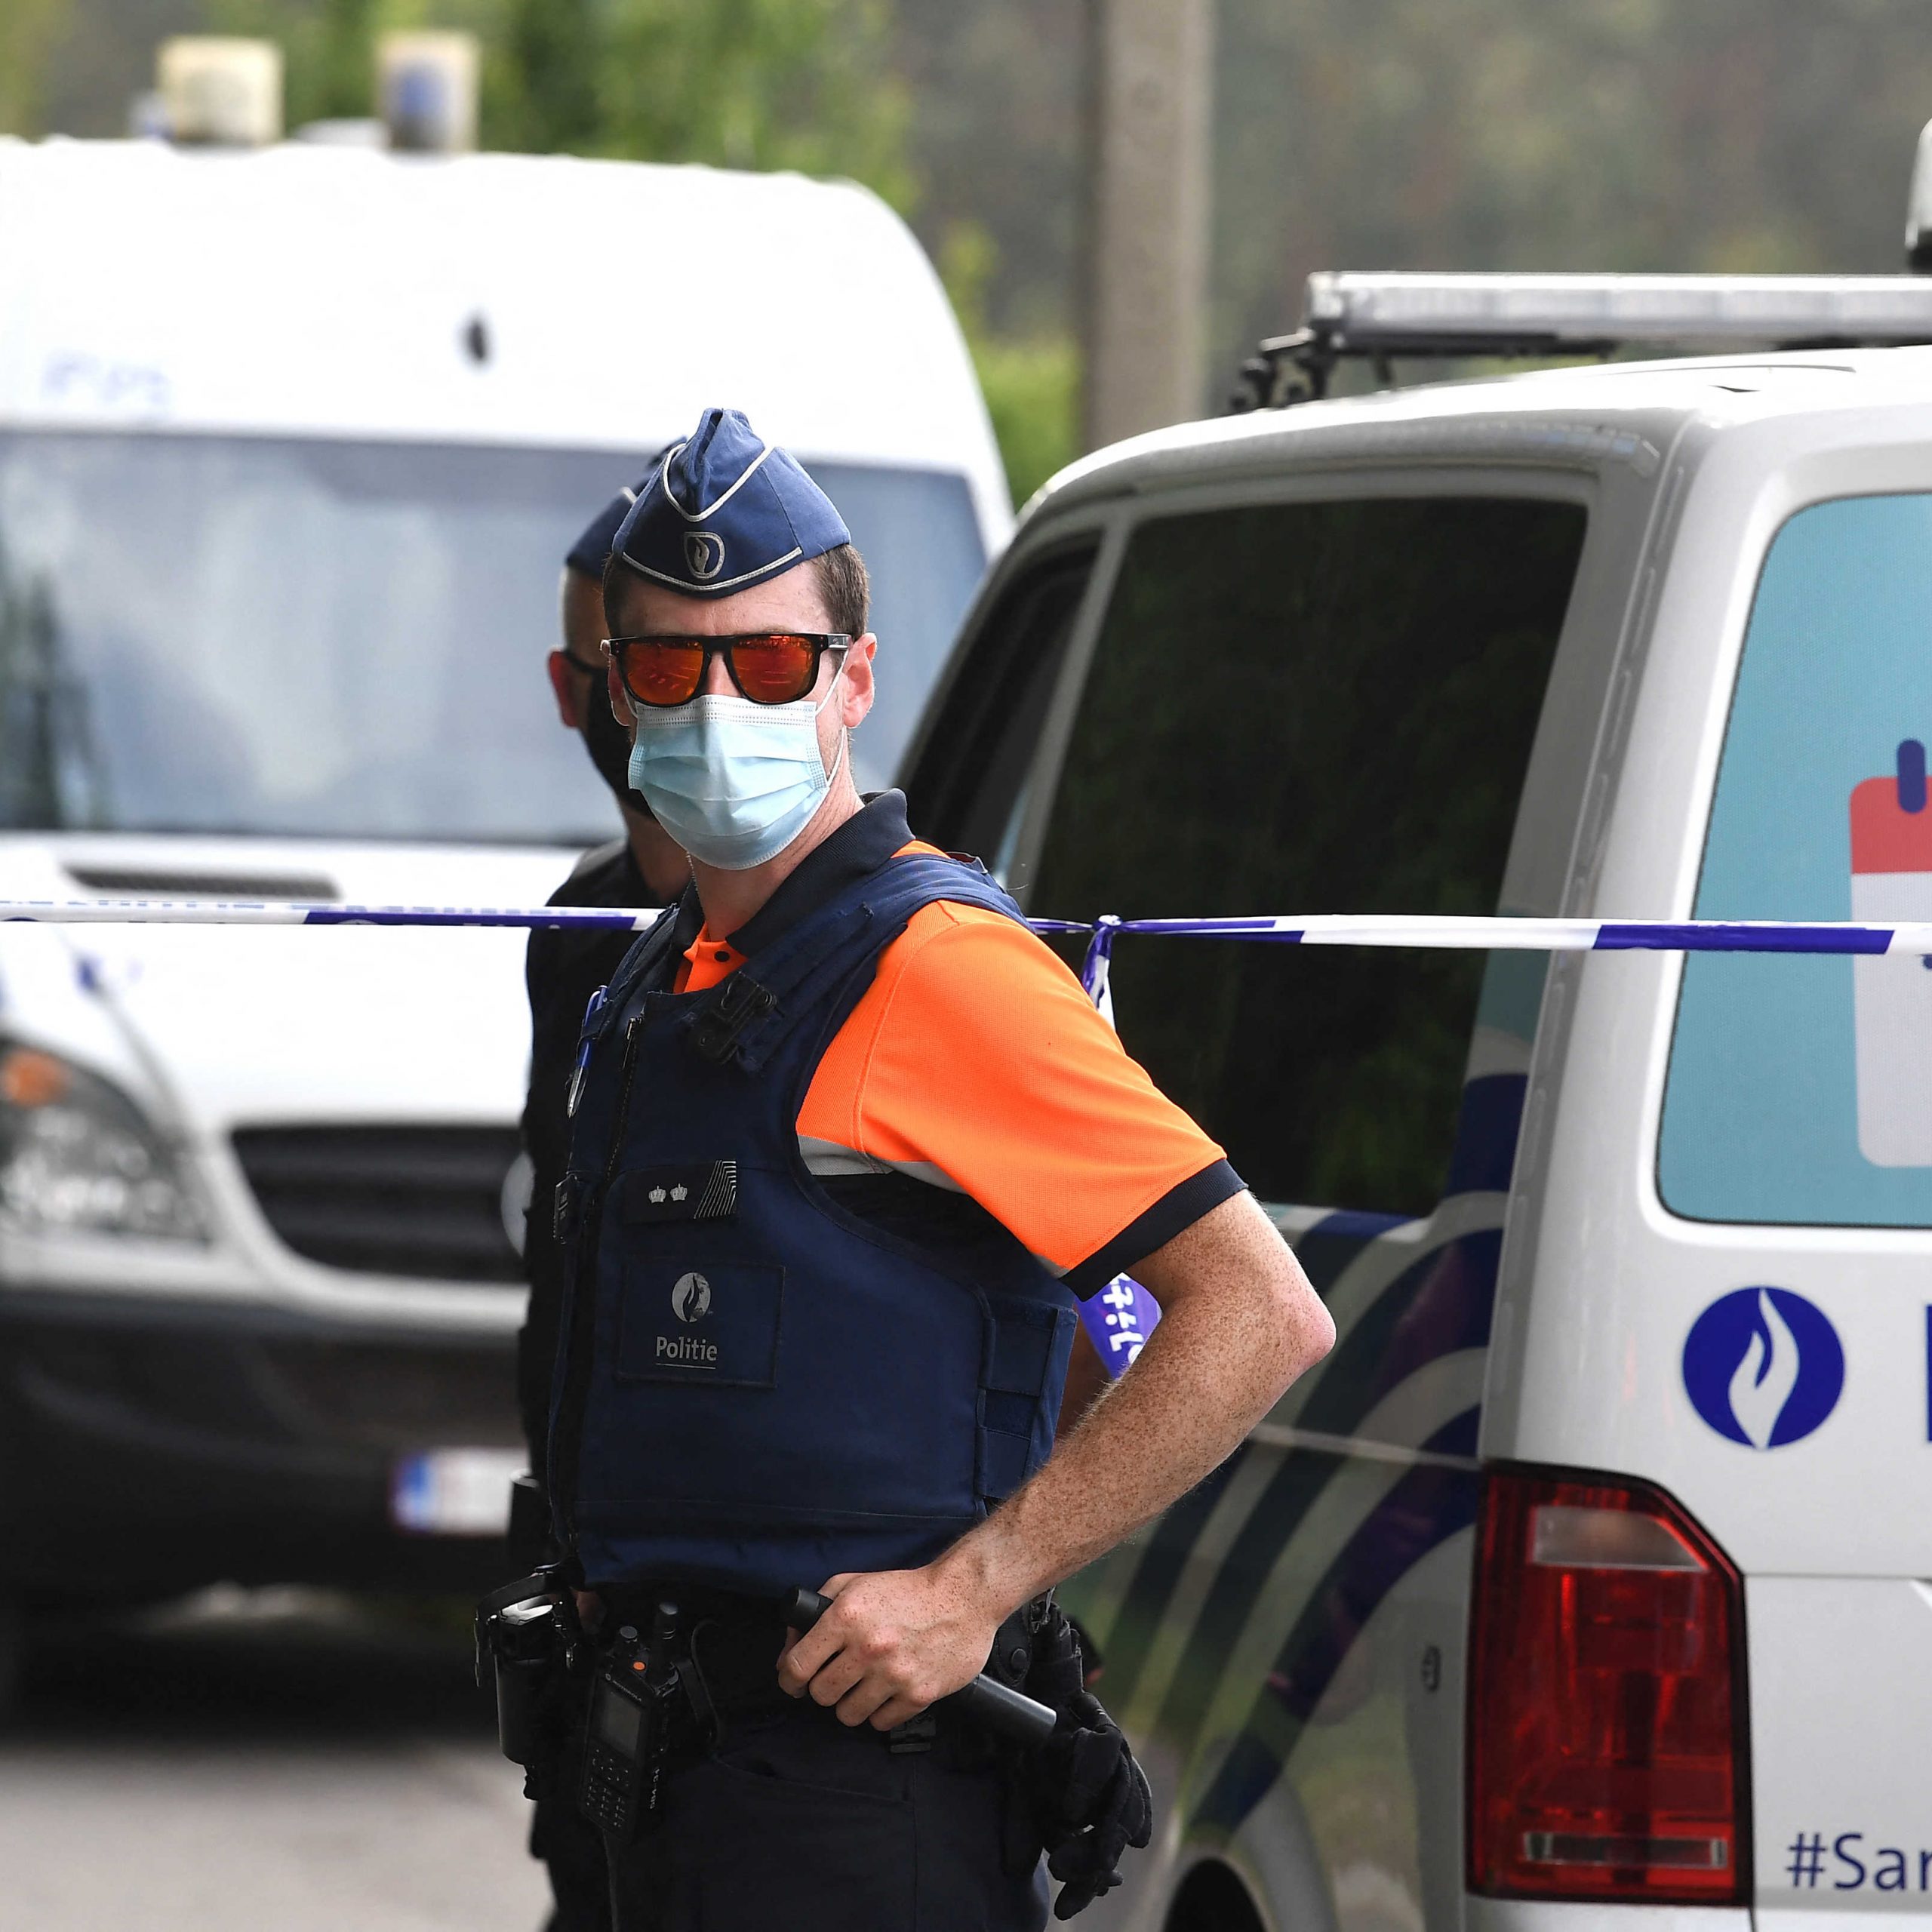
395,1395
425,1201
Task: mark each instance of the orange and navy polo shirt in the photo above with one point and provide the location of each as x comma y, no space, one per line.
975,1062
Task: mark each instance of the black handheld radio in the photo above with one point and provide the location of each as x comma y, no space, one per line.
627,1730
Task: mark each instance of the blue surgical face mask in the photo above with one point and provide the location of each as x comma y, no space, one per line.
733,782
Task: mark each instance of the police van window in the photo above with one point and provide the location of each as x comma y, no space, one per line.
1800,1090
1310,707
257,635
966,790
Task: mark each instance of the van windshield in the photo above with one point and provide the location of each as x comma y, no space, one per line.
347,640
1800,1090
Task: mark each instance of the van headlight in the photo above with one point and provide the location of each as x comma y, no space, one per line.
77,1156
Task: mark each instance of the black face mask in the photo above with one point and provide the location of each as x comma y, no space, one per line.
610,750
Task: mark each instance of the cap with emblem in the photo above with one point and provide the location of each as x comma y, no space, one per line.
592,551
603,738
725,509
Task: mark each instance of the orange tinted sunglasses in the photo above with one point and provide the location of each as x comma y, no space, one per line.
768,667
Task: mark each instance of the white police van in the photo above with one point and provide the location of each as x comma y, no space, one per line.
1587,1572
292,444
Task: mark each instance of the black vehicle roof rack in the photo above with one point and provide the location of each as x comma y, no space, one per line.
1384,317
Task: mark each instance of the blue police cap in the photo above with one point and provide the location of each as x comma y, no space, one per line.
588,555
725,509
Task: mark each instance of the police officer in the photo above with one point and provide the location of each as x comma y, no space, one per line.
646,866
643,867
848,1141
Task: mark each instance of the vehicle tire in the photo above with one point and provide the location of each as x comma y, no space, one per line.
1211,1899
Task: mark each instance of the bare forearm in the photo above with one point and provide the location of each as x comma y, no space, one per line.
1157,1432
1239,1324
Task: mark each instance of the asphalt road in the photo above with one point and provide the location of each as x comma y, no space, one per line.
276,1760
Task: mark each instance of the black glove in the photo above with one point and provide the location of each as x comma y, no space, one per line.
1102,1801
1081,1798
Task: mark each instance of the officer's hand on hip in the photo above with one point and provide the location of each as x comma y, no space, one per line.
892,1643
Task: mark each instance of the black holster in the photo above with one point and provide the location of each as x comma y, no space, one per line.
530,1651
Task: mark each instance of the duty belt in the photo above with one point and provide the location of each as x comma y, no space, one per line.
732,1639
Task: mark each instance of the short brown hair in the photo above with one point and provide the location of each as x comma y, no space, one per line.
845,584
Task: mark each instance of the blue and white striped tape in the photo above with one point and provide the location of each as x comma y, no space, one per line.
1120,1318
280,912
1433,931
1425,931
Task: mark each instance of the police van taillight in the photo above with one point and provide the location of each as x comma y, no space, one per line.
1606,1698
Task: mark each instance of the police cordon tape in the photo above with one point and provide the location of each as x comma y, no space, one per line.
1437,932
1119,1318
1423,930
300,912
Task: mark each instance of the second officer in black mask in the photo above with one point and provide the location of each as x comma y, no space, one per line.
645,867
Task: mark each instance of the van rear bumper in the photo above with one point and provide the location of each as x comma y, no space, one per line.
1555,1915
150,1447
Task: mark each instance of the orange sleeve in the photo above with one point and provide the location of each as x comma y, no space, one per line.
977,1053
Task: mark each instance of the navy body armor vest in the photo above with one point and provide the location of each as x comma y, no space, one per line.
756,1386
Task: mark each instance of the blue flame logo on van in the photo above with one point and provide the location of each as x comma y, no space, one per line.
1763,1367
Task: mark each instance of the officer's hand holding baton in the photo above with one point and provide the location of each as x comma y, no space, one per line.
993,1705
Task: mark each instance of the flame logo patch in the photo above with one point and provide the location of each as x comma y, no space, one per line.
1763,1367
704,554
691,1297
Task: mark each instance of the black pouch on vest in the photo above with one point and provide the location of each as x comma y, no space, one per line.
1082,1799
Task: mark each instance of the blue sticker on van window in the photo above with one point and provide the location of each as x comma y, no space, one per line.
1763,1367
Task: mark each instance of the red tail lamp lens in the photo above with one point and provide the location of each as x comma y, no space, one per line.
1606,1699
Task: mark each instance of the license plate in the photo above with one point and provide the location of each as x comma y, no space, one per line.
454,1492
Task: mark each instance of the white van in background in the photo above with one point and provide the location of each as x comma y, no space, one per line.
1587,1574
292,444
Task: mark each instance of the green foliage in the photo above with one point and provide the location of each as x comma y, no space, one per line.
764,84
29,30
327,46
761,84
1729,135
1032,392
1031,381
540,78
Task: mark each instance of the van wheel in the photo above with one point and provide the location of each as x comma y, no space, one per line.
1212,1899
